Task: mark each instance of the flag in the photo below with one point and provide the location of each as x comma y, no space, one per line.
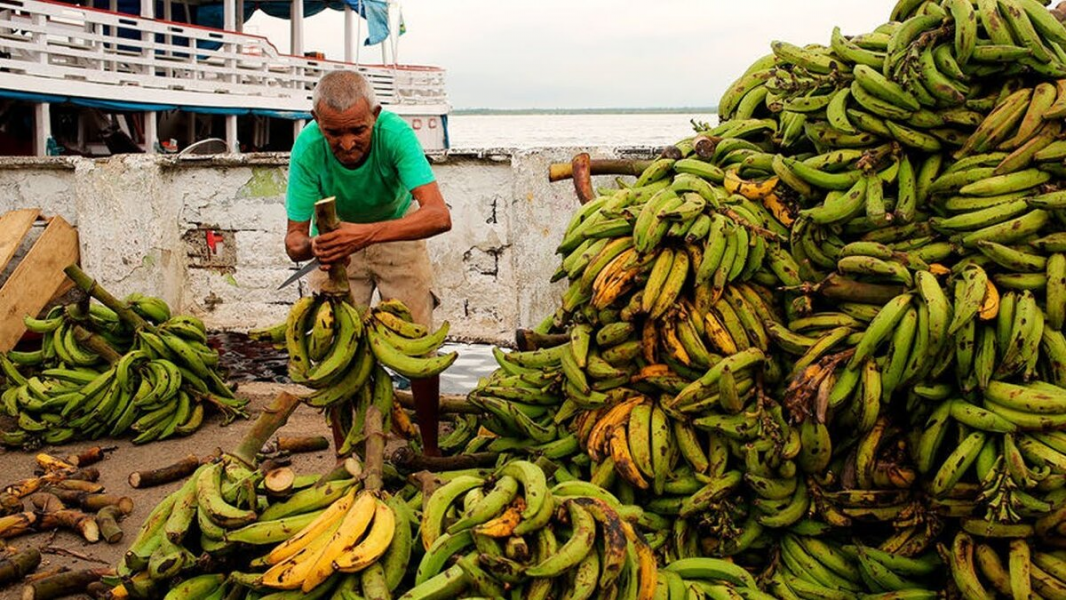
376,13
403,26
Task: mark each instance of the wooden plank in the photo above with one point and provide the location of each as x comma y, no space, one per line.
36,279
13,227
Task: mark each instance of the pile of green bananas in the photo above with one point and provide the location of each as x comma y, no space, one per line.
341,352
836,315
154,380
504,531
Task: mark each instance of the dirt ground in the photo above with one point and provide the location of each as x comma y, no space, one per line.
128,458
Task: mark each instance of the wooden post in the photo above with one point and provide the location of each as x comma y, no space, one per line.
326,220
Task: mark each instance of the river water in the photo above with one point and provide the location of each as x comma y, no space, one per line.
570,129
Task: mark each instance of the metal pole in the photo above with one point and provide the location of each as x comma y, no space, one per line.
229,15
348,17
231,134
297,47
359,31
148,37
42,117
150,131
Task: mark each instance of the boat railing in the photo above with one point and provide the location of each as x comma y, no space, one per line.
67,43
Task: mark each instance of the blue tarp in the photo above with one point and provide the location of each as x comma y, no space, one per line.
119,106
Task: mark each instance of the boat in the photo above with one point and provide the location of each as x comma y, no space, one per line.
103,77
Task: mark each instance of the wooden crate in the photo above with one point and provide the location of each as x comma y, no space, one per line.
38,277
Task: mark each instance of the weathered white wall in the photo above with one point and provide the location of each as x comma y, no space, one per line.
142,224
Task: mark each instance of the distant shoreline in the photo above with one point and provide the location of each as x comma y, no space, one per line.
584,111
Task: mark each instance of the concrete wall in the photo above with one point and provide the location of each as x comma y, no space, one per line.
143,223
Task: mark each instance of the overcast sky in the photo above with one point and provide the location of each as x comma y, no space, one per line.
592,53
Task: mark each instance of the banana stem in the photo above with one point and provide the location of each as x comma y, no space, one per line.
408,460
18,566
449,403
90,456
16,524
600,166
327,220
759,231
63,584
375,449
528,339
153,477
72,519
97,344
581,169
94,289
9,504
272,418
107,519
302,444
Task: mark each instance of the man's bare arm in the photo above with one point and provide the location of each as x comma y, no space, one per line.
298,240
432,218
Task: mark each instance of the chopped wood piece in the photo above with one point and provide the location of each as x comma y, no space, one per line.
18,566
167,474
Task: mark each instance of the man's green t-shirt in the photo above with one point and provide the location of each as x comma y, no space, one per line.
379,190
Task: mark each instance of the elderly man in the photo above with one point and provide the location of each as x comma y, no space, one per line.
372,162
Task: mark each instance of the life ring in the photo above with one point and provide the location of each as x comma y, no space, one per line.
416,123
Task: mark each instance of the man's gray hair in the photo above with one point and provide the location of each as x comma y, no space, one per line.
340,90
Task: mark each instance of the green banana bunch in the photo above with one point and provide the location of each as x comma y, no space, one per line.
94,377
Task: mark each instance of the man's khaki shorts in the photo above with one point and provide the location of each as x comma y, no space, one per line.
398,270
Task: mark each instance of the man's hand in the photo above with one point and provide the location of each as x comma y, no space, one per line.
339,244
